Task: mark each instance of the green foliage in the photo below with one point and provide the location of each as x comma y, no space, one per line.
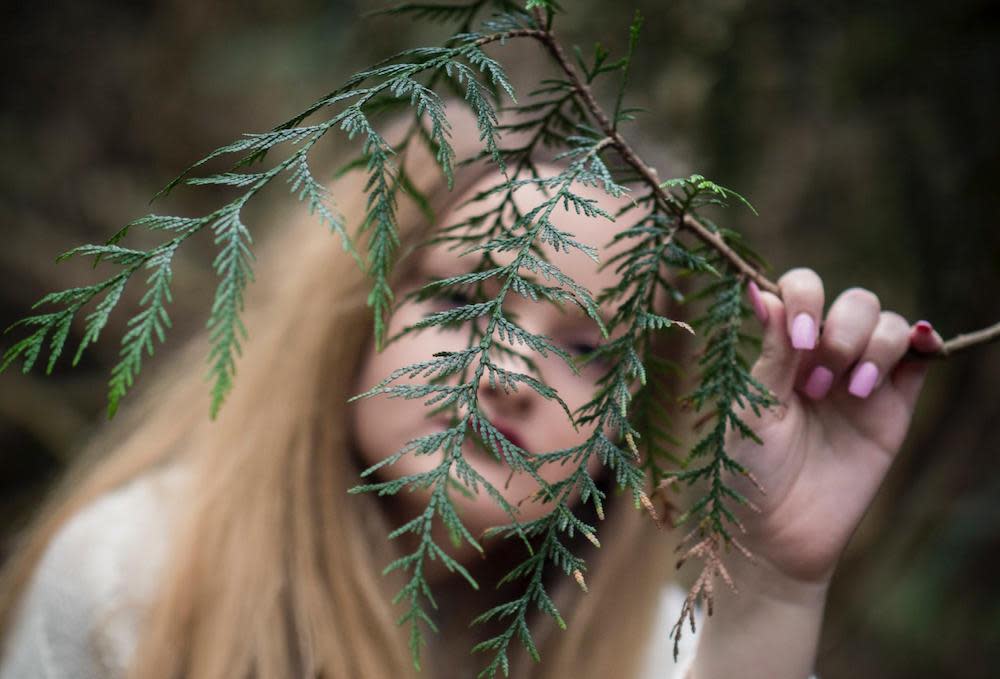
696,192
725,386
556,115
621,114
463,62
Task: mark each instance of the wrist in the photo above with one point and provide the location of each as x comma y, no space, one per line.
786,557
759,579
768,629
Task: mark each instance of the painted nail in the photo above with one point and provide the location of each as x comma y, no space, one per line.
924,328
863,379
819,382
753,292
803,332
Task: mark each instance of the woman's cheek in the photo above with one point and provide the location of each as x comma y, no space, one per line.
575,389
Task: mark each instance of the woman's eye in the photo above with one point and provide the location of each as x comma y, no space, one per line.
455,298
450,299
582,348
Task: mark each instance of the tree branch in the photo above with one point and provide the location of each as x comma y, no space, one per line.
668,202
964,341
685,220
521,33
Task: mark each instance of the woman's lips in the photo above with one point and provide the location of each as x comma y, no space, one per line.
509,434
505,430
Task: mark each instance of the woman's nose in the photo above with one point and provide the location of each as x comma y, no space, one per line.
501,388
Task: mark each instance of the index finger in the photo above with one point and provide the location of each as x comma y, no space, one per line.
802,293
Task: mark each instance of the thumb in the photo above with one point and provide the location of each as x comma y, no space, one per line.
778,363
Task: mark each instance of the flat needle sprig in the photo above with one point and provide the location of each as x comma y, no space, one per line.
702,231
629,429
533,226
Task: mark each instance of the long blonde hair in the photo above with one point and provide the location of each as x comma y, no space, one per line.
275,570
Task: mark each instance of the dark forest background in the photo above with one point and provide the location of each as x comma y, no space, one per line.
865,133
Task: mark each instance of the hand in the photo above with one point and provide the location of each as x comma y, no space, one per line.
847,396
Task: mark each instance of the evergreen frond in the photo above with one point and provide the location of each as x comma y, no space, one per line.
435,13
151,321
695,191
725,386
225,328
555,116
621,114
318,200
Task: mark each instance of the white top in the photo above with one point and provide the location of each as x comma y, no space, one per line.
82,609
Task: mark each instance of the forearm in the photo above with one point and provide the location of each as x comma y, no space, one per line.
769,629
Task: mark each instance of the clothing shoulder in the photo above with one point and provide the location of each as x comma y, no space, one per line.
79,614
659,661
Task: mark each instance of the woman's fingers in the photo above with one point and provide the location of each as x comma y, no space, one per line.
852,321
924,339
790,328
802,292
858,347
908,377
887,344
777,358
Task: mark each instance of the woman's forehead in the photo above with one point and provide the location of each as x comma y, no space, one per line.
595,232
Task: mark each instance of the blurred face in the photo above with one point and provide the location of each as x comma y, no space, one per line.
383,425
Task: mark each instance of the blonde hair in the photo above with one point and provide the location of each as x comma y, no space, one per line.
274,569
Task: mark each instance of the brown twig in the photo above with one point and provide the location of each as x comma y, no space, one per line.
707,546
669,203
970,339
709,551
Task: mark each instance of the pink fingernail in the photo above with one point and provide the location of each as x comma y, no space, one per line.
803,332
819,382
863,379
753,292
924,328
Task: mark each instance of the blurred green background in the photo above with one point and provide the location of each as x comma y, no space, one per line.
865,133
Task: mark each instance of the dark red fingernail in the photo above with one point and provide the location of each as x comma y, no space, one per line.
924,328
